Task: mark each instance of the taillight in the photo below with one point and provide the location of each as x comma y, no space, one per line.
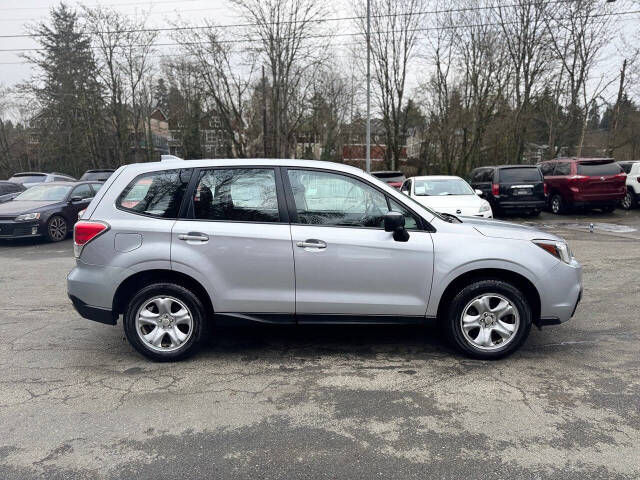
495,189
546,189
395,184
84,232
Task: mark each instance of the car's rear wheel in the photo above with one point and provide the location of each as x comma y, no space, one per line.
489,319
556,204
629,201
57,228
164,322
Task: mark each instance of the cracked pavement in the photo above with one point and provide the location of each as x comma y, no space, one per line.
321,402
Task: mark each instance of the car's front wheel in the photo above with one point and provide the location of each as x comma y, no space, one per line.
489,319
164,322
57,228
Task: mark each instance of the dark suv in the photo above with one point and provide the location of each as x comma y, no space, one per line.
511,188
583,182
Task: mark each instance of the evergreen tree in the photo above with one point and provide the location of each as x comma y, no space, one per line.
70,122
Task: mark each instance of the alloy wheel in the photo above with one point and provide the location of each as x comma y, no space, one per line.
490,322
555,204
57,229
164,323
627,201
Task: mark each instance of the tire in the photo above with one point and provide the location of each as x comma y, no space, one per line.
556,204
629,200
57,228
159,334
608,209
492,338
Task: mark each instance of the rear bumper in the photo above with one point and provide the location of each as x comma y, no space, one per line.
521,205
97,314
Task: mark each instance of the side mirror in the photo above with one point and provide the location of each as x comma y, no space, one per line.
394,222
75,199
480,193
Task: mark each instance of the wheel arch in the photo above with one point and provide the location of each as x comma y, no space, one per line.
520,281
132,284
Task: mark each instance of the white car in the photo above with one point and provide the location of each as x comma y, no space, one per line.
632,169
447,194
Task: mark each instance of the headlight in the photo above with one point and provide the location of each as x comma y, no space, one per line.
485,207
557,249
27,216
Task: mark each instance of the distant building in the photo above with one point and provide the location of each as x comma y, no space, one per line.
214,143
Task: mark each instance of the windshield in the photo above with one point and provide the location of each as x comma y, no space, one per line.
444,186
45,193
515,175
28,178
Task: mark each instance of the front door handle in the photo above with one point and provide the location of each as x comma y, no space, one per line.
193,237
312,243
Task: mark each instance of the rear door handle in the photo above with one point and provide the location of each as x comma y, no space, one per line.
312,243
193,237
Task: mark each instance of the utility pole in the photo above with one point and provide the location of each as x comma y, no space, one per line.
264,115
368,154
616,112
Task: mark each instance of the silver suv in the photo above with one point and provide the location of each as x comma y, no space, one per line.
172,246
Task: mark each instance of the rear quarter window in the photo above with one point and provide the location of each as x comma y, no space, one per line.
157,194
594,169
515,175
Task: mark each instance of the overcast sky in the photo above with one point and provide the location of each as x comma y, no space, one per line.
15,16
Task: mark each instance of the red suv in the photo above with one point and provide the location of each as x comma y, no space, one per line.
583,182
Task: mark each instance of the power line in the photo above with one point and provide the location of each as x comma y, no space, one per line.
317,20
332,35
150,3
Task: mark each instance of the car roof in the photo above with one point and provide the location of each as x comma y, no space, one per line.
101,170
579,159
432,177
395,172
24,174
240,162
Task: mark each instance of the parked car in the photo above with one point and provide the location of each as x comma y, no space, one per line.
511,188
8,190
363,253
632,196
446,194
583,182
29,179
393,178
100,175
47,210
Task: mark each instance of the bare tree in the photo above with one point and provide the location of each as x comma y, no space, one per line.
526,42
293,46
394,39
578,31
226,72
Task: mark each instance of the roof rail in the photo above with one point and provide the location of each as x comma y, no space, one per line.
168,158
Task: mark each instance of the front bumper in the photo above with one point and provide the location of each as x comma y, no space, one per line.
11,229
560,293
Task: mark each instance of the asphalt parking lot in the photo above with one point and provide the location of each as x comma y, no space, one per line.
76,401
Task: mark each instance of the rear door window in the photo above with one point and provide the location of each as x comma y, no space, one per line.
562,168
518,175
237,194
598,169
157,194
547,168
